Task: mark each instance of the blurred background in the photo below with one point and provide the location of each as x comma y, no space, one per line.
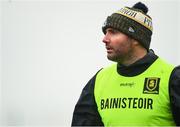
51,48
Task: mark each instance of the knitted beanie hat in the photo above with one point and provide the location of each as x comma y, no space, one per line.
133,22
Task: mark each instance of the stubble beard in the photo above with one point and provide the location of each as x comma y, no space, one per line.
115,57
119,57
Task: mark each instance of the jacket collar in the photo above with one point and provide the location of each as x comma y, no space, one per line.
138,67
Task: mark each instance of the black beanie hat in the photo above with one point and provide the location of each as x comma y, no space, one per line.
133,22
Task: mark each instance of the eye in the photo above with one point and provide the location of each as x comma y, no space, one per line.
112,31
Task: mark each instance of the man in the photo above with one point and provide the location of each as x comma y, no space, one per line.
141,89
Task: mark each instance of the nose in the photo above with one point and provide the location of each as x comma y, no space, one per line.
106,39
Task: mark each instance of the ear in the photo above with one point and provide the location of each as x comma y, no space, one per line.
135,42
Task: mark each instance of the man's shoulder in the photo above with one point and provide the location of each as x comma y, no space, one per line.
110,66
108,69
176,73
164,63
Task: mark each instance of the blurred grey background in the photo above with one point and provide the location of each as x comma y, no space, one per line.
51,48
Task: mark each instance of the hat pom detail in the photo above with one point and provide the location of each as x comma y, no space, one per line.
141,7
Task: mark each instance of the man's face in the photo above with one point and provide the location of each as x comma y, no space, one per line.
119,46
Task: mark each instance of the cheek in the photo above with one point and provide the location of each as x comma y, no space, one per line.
121,44
124,46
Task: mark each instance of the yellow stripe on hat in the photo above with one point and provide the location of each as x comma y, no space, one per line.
137,16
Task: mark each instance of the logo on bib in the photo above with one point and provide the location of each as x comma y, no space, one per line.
151,85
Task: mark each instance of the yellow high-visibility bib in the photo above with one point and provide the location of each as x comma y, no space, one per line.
141,100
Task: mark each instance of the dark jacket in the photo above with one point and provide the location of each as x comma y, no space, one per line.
86,113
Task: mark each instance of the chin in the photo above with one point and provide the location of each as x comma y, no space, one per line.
112,58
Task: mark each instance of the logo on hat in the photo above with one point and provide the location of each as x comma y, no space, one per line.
151,85
131,30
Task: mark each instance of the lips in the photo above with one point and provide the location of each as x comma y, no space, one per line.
109,49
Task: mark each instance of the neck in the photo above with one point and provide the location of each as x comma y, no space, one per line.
133,57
